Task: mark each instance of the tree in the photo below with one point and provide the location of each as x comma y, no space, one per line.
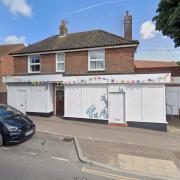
178,63
168,19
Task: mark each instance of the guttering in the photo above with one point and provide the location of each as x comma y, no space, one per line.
75,50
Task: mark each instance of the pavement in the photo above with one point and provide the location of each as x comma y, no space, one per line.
50,157
174,123
141,160
137,151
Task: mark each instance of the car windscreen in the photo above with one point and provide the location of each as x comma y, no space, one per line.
7,111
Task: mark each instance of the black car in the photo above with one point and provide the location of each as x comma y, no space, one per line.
15,127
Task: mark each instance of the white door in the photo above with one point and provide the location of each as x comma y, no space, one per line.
22,101
116,107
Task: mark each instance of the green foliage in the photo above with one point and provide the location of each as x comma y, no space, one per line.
178,63
168,19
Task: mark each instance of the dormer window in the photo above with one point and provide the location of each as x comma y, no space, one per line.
34,64
96,60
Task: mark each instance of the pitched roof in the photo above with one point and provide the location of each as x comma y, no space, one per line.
10,48
81,40
141,64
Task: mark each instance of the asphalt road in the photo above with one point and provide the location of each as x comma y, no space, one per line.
48,157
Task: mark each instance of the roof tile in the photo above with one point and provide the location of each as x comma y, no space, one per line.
81,40
10,48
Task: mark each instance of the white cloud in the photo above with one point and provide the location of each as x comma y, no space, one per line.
15,39
18,6
147,30
164,37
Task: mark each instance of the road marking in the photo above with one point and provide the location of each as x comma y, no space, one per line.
5,148
107,175
32,153
59,159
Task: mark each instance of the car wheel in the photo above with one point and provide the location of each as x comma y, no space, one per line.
1,140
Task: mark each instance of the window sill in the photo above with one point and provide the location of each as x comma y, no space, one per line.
96,70
60,71
37,72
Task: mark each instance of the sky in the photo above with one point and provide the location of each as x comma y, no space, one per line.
29,21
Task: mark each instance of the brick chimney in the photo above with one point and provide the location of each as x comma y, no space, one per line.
63,28
128,26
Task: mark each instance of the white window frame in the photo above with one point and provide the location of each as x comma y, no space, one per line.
95,60
29,64
60,62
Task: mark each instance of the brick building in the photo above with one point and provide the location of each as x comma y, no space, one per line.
147,66
90,76
7,66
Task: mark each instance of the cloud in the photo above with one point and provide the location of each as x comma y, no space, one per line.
164,37
18,6
147,30
93,6
15,39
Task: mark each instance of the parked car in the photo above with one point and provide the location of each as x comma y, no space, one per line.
15,127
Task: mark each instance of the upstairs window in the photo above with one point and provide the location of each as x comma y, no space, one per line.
34,64
59,62
96,60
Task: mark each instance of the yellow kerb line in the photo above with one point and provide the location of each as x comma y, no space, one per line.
107,175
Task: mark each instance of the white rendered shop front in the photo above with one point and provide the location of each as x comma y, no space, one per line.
32,94
136,100
133,99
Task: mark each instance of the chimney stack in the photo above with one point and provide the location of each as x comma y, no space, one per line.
63,28
128,26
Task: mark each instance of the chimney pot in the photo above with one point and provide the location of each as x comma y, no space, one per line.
127,13
128,26
63,28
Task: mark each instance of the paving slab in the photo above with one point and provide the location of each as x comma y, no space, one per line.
133,158
103,132
150,166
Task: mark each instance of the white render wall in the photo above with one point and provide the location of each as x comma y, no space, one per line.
143,103
81,100
39,98
146,103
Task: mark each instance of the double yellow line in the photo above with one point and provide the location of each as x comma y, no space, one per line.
107,175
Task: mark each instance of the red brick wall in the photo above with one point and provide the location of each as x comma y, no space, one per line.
3,97
48,63
119,60
7,65
175,71
20,65
6,68
76,62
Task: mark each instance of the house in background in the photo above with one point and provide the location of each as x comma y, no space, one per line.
90,76
7,66
172,89
147,66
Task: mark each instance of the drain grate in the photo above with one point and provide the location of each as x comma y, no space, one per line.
67,139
